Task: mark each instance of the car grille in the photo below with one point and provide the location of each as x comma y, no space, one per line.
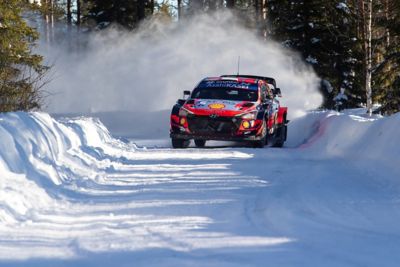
207,125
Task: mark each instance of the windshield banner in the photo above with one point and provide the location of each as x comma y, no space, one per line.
228,84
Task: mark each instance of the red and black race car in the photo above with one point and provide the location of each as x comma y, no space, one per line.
230,108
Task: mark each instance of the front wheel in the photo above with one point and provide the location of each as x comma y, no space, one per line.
262,142
259,143
199,142
180,143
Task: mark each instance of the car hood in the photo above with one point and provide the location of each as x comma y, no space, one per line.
216,106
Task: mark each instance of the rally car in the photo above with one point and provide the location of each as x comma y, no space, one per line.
230,108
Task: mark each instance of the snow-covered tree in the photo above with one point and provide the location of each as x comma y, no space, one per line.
324,32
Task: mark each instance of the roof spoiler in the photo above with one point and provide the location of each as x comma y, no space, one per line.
266,79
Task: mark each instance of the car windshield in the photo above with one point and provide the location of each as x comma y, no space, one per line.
234,94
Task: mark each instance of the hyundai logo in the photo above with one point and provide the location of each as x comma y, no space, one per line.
213,116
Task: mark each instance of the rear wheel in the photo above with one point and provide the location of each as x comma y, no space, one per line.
180,143
199,142
280,136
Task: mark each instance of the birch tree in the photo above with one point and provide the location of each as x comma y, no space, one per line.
366,14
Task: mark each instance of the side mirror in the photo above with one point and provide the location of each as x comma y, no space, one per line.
181,102
277,92
186,94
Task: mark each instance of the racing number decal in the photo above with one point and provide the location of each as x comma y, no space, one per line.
216,106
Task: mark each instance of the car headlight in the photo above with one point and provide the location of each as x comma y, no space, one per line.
182,121
246,124
248,116
184,112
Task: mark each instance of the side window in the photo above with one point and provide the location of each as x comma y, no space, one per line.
263,92
268,93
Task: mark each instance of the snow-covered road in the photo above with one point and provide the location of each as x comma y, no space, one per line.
71,195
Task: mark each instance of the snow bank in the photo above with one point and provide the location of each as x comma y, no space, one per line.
54,152
350,135
43,148
39,153
56,157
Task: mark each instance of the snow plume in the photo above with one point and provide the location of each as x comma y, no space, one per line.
149,69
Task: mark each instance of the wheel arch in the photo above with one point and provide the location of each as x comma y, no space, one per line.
282,115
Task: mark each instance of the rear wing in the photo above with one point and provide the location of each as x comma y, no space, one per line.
266,79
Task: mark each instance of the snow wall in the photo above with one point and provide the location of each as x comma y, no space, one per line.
351,135
54,152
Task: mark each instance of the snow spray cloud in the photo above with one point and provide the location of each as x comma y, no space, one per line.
149,69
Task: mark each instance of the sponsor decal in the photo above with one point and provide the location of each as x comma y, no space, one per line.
216,106
228,84
201,104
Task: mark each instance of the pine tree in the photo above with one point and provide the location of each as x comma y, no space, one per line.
277,12
126,13
324,32
105,12
21,71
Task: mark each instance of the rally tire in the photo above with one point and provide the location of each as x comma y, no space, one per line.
263,141
199,142
179,143
281,136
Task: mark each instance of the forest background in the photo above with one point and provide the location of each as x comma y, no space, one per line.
352,45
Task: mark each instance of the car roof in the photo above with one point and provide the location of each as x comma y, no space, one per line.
268,80
233,79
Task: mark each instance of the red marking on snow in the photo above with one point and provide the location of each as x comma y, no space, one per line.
321,130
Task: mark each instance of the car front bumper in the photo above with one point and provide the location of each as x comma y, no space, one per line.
217,137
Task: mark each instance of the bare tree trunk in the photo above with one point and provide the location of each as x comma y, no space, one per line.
78,12
69,14
257,18
152,7
47,20
230,3
220,4
195,6
368,54
257,9
52,20
179,9
359,17
141,10
387,17
212,5
264,18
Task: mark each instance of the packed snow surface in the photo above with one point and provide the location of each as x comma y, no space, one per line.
72,195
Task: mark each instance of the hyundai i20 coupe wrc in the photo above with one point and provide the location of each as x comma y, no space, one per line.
230,108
